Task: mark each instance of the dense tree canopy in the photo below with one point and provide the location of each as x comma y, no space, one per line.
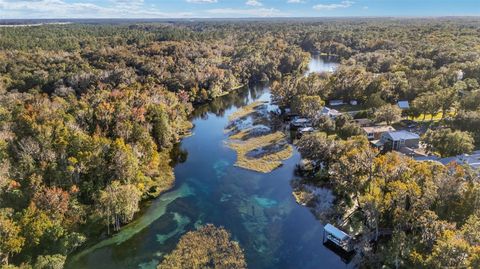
208,247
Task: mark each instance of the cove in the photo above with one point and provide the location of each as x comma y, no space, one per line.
257,209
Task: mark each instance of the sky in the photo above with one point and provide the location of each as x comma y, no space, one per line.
35,9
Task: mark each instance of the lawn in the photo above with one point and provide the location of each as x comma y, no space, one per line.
430,117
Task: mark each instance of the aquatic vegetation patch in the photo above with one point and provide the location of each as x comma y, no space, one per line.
265,202
246,110
255,131
181,221
268,160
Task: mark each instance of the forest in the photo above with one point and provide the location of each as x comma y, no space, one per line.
90,115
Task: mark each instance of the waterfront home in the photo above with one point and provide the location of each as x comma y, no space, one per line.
394,140
330,112
403,105
376,132
336,102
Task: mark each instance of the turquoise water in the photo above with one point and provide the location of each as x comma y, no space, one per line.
258,209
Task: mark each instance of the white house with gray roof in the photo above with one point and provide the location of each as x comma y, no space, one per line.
396,140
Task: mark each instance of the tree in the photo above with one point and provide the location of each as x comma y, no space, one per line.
11,241
56,261
446,98
308,106
448,143
317,147
118,203
427,104
208,247
388,113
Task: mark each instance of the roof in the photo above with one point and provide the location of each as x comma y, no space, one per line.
335,232
473,160
402,135
306,129
329,111
301,120
378,129
403,104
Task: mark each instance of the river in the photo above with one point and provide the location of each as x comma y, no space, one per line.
257,209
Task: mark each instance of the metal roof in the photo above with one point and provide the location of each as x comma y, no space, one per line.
402,135
335,232
403,104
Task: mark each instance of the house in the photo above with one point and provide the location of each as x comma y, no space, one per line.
332,113
336,102
472,160
394,140
300,122
403,104
353,102
375,132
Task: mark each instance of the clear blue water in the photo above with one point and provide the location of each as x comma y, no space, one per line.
258,209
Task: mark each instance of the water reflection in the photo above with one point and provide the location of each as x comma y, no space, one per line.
322,63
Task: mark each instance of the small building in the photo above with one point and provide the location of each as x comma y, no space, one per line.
353,102
376,132
394,140
300,123
330,112
304,130
403,105
338,237
336,102
364,122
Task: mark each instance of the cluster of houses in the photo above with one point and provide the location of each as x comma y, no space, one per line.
384,137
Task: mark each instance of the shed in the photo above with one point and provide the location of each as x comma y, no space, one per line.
403,104
338,237
330,112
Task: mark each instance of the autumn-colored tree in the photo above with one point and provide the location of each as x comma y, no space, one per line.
11,240
208,247
118,203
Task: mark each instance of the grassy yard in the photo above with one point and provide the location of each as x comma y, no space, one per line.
271,156
430,117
